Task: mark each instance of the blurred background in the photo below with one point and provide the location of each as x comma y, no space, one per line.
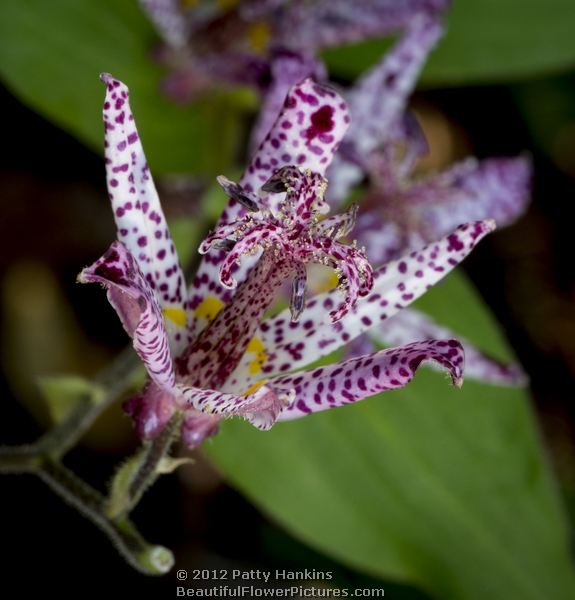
485,93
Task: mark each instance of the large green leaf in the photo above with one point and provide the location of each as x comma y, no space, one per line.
444,488
51,54
486,41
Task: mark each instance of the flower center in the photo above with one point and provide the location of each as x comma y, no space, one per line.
285,242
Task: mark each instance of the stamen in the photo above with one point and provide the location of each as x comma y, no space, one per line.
235,191
298,293
294,236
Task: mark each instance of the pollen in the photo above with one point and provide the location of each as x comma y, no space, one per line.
209,308
176,315
256,346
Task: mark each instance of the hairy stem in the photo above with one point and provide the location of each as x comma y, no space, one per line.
140,471
144,557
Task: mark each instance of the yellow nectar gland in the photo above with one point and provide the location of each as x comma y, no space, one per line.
176,315
330,282
259,35
209,308
254,388
257,347
227,4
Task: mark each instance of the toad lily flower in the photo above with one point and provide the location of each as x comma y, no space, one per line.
269,44
399,213
207,351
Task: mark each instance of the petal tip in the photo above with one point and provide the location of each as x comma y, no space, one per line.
106,78
81,277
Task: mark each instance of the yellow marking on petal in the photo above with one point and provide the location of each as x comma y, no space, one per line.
257,347
328,283
189,3
259,35
254,388
176,315
209,308
227,4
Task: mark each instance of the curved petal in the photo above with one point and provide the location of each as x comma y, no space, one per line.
167,17
306,133
496,188
283,345
260,407
410,325
138,309
359,378
139,218
377,102
324,23
286,70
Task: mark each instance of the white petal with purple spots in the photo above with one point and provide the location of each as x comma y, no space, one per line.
139,218
410,325
138,309
288,345
358,378
261,407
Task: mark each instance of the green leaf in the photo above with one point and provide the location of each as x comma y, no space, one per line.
51,54
443,488
486,41
64,393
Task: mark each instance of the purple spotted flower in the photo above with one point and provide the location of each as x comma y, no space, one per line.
269,44
208,351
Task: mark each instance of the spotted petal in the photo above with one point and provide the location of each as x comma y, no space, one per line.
137,306
325,23
497,188
359,378
286,70
307,133
167,17
281,345
377,103
139,218
260,407
410,325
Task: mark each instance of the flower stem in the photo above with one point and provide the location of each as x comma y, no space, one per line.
140,471
144,557
43,459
